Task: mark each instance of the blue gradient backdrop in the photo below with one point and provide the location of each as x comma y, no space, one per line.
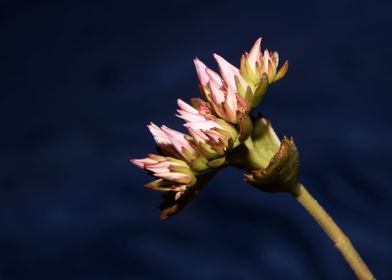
80,81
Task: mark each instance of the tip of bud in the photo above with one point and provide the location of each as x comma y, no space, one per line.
137,162
258,41
223,63
198,63
180,102
217,57
201,71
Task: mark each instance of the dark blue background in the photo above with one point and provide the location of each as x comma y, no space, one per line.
80,81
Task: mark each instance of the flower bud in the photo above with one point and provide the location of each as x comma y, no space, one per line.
255,63
173,174
230,73
222,95
212,136
260,69
178,145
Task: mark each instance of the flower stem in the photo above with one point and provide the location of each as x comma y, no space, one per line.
340,240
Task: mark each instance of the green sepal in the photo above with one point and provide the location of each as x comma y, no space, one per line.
181,169
239,87
229,113
160,185
207,150
282,71
260,90
281,174
243,68
228,128
216,162
248,98
250,74
189,156
199,164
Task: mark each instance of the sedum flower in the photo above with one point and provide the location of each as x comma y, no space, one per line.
178,145
173,174
213,136
240,89
163,141
255,64
221,94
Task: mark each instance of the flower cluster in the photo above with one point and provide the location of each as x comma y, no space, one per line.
216,124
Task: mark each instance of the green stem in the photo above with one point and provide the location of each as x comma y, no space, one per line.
340,240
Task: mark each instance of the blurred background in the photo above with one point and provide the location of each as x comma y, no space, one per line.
81,79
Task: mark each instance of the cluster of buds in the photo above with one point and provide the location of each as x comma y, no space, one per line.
217,124
223,132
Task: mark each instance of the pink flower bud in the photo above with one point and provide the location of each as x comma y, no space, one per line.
181,144
222,94
176,144
229,72
210,137
260,64
172,174
254,55
163,141
201,72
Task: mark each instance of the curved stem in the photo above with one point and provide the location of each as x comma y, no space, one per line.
340,240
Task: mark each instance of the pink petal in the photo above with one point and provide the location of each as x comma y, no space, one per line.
217,95
216,136
201,72
228,72
178,140
254,54
188,113
205,125
186,107
197,134
231,100
158,168
266,60
190,117
160,137
214,77
142,162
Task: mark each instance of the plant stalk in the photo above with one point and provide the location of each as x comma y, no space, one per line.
339,239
